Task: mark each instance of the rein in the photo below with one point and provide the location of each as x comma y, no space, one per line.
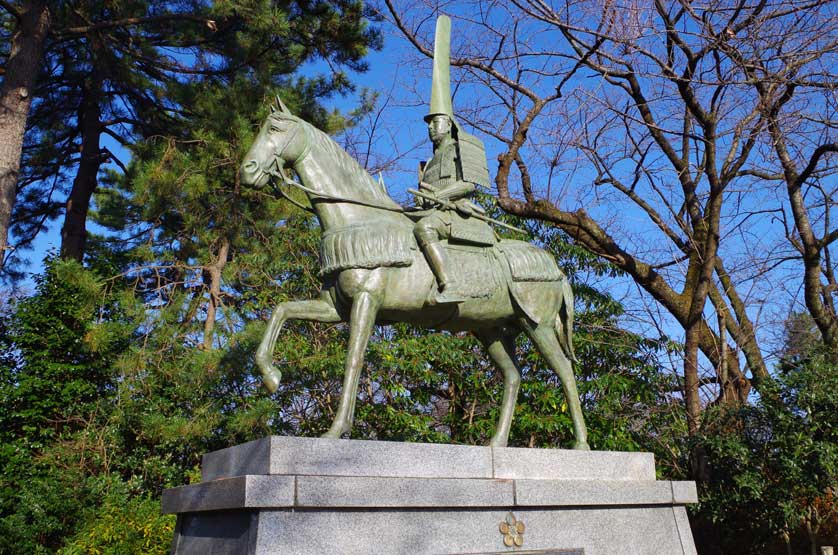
279,175
316,195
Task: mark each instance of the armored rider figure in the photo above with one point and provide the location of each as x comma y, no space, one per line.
458,165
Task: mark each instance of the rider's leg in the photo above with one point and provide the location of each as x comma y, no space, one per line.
428,232
435,255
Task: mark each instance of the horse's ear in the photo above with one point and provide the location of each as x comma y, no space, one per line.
280,105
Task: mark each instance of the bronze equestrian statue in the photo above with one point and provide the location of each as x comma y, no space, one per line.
382,263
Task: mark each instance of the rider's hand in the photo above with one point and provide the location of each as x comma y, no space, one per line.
464,207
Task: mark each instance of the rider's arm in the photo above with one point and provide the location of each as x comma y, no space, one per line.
455,190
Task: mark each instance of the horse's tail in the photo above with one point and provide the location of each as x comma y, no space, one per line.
564,320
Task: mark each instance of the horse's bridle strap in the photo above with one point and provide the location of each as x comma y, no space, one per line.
324,196
316,194
285,195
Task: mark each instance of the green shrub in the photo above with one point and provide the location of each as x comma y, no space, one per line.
122,524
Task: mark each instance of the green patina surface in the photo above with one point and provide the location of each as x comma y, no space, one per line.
437,265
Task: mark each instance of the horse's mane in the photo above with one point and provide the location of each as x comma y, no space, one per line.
348,178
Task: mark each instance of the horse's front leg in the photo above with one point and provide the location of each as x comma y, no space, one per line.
361,321
321,310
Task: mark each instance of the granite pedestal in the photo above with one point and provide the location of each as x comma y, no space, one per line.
304,496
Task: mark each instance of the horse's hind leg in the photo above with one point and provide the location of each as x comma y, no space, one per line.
321,310
502,351
361,322
548,345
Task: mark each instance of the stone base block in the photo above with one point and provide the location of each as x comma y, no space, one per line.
302,496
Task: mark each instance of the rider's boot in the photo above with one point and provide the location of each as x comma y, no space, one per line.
435,255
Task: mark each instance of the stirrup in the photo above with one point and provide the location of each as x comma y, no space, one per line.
449,296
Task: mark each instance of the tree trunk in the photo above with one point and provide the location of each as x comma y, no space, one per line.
212,274
741,330
74,232
691,399
811,247
787,543
15,99
813,289
812,537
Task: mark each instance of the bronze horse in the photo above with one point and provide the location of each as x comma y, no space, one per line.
374,273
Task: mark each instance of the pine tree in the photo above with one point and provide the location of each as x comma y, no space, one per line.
117,70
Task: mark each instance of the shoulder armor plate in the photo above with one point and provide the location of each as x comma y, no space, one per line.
472,155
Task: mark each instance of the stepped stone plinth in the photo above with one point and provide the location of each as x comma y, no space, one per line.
305,496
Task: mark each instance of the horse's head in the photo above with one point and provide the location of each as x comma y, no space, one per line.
281,139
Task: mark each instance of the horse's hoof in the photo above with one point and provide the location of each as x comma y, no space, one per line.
336,432
271,379
498,442
581,446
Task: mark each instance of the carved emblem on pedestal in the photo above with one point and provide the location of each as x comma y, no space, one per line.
513,531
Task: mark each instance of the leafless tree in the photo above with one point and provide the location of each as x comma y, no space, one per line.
674,123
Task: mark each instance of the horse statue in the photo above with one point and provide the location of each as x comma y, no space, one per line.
374,273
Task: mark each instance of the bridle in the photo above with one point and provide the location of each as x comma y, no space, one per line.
275,170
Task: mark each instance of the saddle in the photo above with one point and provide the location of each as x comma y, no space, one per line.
479,260
471,231
482,271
